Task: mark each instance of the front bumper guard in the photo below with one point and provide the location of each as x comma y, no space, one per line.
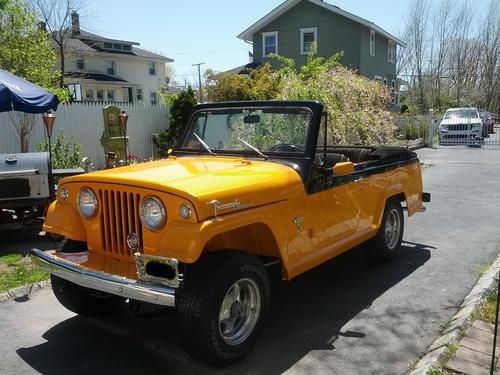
105,282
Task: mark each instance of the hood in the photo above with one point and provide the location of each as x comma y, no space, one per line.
202,179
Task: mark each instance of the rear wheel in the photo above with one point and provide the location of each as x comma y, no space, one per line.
222,306
84,301
387,242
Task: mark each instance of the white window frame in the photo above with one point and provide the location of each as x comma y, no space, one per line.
152,68
372,42
391,46
101,91
394,94
153,94
307,30
91,91
139,94
379,79
82,61
266,34
112,92
113,65
385,81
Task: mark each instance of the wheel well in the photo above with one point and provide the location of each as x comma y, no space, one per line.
256,238
398,197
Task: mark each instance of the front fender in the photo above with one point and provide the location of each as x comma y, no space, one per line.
67,222
187,241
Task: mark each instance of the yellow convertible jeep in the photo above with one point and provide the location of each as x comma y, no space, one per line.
251,186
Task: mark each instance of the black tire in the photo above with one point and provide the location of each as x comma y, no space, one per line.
387,242
209,283
84,301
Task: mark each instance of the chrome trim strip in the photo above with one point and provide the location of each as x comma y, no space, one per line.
105,282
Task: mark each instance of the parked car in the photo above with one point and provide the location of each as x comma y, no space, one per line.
250,188
461,126
488,122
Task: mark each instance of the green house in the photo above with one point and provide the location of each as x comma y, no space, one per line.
291,29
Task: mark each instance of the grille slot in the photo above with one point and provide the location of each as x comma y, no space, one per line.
119,217
459,127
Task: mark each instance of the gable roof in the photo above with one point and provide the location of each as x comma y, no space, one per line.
247,35
88,42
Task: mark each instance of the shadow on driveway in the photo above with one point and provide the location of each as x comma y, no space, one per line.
307,314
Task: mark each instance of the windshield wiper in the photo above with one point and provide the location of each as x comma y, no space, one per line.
253,148
204,145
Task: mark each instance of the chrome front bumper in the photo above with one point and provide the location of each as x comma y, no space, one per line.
105,282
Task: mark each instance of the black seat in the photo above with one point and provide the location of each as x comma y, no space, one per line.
355,154
332,158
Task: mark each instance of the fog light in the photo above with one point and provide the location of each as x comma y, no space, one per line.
64,193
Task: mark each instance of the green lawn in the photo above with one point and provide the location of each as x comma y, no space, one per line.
17,270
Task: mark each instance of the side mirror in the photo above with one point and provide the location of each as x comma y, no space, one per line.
343,167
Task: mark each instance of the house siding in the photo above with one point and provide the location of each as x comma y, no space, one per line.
134,71
335,33
378,65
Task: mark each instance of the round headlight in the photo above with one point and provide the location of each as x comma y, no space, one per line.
87,203
185,211
153,213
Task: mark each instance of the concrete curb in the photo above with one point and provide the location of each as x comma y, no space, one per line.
459,323
23,291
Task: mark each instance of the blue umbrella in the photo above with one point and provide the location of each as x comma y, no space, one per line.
20,95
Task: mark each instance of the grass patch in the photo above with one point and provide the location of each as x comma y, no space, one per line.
452,350
16,270
487,310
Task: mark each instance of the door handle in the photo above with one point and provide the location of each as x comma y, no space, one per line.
358,179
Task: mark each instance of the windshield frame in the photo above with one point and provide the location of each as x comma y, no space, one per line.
315,108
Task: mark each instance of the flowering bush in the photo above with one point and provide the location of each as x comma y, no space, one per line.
356,106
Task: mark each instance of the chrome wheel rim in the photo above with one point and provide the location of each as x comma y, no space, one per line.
239,311
392,229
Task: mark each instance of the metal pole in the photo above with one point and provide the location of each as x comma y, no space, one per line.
492,369
431,128
51,174
199,80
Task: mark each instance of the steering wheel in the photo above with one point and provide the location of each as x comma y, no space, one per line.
287,147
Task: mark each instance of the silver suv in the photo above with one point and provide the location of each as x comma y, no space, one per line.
461,126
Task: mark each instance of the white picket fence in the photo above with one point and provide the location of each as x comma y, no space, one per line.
84,122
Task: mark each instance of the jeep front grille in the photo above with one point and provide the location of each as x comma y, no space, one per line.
119,216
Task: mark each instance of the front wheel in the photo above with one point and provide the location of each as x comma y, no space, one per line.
84,301
222,306
387,242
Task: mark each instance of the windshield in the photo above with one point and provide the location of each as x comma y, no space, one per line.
461,113
280,130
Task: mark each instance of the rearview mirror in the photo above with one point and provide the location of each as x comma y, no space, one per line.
251,119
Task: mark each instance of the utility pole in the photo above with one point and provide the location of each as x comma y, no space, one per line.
199,80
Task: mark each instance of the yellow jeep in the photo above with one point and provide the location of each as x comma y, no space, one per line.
251,186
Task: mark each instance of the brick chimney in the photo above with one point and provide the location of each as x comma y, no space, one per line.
75,23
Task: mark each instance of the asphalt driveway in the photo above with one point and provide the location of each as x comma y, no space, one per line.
346,317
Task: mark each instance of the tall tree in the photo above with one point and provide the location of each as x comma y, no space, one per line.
62,21
25,51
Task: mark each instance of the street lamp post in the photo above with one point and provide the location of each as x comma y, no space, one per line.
123,123
48,119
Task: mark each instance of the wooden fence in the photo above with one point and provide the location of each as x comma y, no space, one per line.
84,122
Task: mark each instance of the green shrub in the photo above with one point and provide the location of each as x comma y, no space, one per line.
181,107
65,153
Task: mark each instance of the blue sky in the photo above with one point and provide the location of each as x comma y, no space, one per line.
193,31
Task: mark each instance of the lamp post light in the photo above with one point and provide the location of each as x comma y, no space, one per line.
123,123
48,119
